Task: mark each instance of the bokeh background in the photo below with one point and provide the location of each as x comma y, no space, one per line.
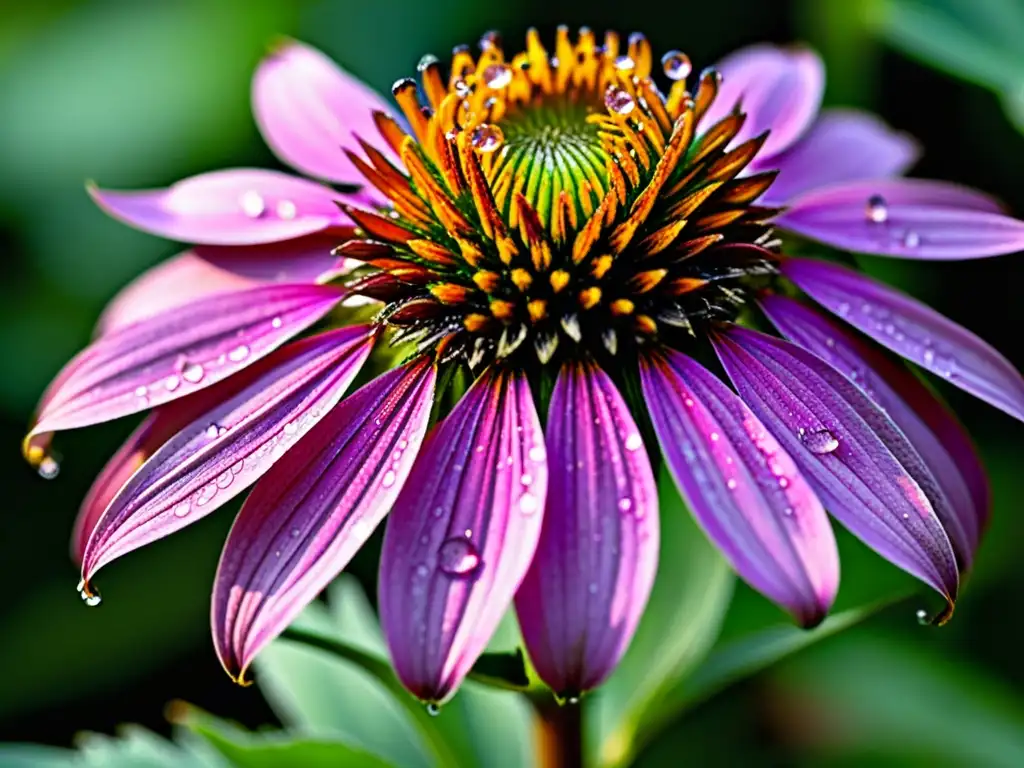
136,94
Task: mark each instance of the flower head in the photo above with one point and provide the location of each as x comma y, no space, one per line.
572,238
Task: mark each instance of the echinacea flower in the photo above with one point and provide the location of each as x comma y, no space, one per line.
564,244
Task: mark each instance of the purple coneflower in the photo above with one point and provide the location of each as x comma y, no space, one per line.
580,248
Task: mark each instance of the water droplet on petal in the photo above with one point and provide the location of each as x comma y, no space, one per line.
458,557
731,484
487,137
497,76
634,442
252,204
676,65
192,372
537,453
238,354
48,468
618,101
212,431
877,211
389,479
275,323
433,709
625,504
141,391
922,616
89,596
820,441
286,209
182,509
528,504
911,239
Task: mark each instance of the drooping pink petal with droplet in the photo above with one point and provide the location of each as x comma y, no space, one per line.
462,534
230,446
586,590
303,260
308,108
861,466
780,91
903,397
905,218
742,486
912,330
843,145
239,206
172,354
316,507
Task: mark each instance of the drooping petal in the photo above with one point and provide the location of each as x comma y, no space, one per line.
316,507
861,466
586,590
905,218
240,206
901,395
742,486
230,446
779,90
303,260
462,534
912,330
179,280
843,145
308,109
171,355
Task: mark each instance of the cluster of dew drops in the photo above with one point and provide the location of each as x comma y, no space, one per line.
876,212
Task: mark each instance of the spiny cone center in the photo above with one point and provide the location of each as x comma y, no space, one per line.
559,205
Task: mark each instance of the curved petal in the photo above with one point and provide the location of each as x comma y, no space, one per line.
173,354
179,280
228,447
860,465
779,90
906,218
900,394
586,590
313,511
240,206
308,108
742,486
843,145
462,534
302,260
912,330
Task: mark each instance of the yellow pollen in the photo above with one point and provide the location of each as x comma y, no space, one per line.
521,278
590,297
475,322
486,281
645,324
449,293
601,265
622,307
538,309
559,279
503,310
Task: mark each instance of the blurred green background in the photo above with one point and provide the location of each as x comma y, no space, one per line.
136,94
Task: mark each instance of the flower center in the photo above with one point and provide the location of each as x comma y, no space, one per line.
559,205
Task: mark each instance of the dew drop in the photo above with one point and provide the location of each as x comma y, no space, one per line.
141,391
286,210
537,453
296,532
252,204
528,504
634,442
715,437
212,431
291,428
225,478
275,323
433,709
592,588
676,65
89,596
819,442
625,504
238,354
911,239
618,101
877,210
624,64
389,479
48,468
526,479
192,372
731,484
458,557
497,76
182,509
487,137
922,616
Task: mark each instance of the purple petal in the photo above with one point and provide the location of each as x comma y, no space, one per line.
912,330
315,508
303,260
230,446
742,486
179,280
308,108
241,206
842,146
860,465
779,90
462,534
900,394
589,582
173,354
906,218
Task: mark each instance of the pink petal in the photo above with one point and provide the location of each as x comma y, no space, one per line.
779,90
303,260
903,397
742,486
462,534
173,354
308,109
912,330
241,206
842,145
230,446
906,218
179,280
314,510
589,582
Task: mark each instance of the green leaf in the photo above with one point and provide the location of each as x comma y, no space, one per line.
691,594
35,756
136,747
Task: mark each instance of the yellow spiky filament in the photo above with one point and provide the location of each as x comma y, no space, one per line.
607,219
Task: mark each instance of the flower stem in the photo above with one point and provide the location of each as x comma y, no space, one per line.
559,734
